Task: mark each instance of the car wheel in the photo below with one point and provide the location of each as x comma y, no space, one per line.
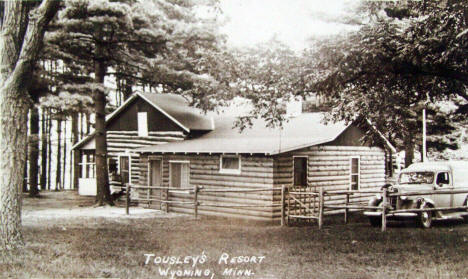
375,221
466,203
425,217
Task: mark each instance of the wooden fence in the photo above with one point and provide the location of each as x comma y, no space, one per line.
195,192
300,204
317,211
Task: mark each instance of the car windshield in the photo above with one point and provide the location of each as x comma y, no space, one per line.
420,177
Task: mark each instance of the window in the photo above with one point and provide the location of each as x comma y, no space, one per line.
354,173
87,165
230,164
142,124
443,178
179,174
112,165
420,177
300,171
124,168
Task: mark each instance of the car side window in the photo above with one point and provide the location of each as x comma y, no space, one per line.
443,178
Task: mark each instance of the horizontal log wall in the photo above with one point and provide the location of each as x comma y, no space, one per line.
329,167
121,142
256,172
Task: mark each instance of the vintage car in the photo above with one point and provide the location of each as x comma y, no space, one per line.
428,176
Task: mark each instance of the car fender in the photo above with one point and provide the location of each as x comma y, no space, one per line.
420,201
374,201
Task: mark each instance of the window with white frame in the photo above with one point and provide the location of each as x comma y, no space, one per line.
142,124
230,164
87,165
354,170
179,172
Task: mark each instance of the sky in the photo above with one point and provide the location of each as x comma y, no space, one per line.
293,22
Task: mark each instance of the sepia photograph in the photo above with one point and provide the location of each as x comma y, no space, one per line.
247,139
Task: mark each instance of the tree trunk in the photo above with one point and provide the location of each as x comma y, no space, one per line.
49,149
88,124
18,54
43,179
409,150
13,137
128,90
33,151
25,174
81,125
76,153
64,168
58,169
102,176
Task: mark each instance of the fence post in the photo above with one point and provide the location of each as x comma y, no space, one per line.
282,205
127,198
195,200
346,209
384,210
166,207
321,200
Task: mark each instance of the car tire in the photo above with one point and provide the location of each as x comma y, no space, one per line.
375,221
425,217
466,203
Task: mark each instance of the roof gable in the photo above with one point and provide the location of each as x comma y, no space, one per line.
172,106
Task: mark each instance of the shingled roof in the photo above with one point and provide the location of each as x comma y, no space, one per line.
177,108
174,106
305,130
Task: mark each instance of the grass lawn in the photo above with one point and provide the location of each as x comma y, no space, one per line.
90,247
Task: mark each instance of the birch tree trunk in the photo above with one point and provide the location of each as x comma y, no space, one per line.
18,53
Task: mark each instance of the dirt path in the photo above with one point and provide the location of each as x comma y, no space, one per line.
69,205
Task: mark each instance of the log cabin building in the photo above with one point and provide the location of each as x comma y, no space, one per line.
180,148
142,120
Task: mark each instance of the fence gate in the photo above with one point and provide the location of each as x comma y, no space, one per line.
301,203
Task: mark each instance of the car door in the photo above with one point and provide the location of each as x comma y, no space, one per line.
443,183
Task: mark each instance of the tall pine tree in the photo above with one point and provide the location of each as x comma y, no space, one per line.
131,41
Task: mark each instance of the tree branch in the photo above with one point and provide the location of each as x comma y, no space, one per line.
39,19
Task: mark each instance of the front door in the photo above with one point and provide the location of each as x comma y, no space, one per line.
443,184
300,171
155,179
